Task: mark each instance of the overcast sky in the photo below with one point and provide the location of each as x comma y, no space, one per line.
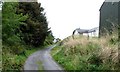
66,15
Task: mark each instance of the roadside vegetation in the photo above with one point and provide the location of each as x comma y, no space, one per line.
24,31
82,53
0,39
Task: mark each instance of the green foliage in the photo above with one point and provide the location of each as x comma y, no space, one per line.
35,29
13,59
10,61
49,39
28,23
11,41
10,20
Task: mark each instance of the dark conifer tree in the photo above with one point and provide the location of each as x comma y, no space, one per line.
35,29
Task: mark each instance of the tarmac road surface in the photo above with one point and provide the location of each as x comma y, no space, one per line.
41,58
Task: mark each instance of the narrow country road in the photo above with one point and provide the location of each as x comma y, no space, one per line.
41,58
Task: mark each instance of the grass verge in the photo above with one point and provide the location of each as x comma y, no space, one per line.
84,54
13,61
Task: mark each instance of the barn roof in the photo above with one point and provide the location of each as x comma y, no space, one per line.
112,0
108,1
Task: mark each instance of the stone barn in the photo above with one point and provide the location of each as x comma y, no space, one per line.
108,17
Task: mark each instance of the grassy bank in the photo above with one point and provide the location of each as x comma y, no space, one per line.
12,60
0,54
87,54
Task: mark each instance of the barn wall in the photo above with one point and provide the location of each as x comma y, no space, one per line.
108,18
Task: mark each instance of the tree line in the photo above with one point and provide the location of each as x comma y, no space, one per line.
25,22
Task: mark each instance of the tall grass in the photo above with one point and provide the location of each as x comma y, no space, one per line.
82,53
0,54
